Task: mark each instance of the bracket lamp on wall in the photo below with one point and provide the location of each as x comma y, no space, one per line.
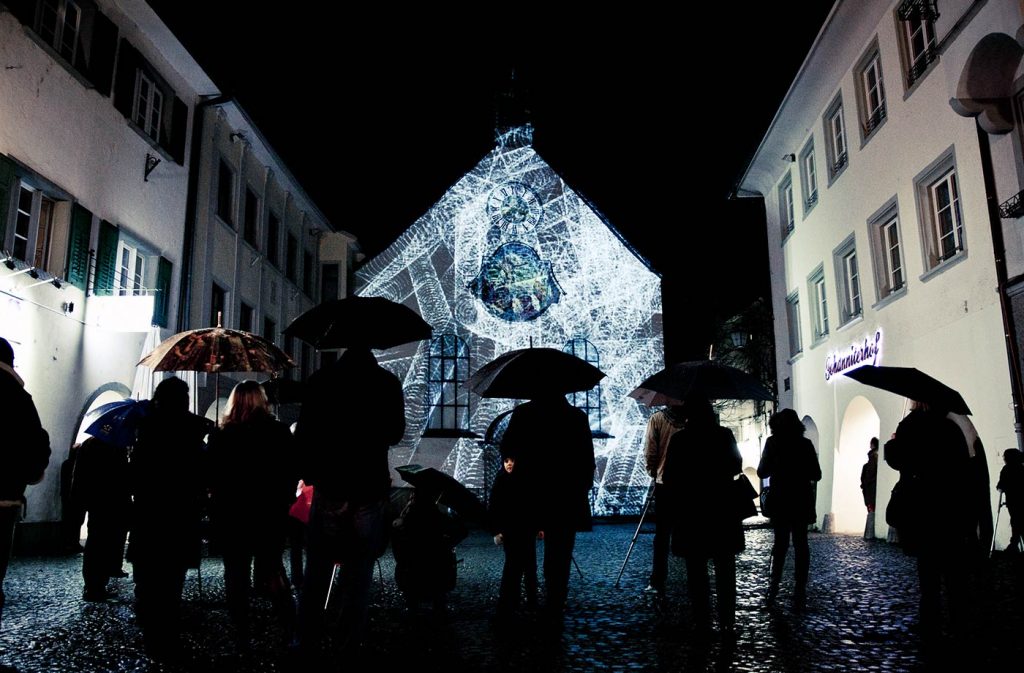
791,158
152,161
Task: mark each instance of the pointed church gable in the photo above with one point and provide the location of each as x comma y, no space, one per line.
511,255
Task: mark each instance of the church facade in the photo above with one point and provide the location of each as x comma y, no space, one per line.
512,257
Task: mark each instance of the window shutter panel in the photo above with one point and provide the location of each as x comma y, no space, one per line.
179,123
78,247
124,85
161,300
100,64
6,183
106,260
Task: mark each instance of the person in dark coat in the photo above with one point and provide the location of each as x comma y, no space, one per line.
791,463
24,454
869,486
553,447
72,515
423,540
252,481
512,519
101,487
165,471
940,527
1011,483
353,412
702,462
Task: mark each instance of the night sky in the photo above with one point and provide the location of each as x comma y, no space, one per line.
378,115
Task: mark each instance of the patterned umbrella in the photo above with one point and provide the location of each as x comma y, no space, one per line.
215,349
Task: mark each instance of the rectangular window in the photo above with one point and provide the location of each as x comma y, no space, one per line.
918,37
23,223
793,322
269,330
273,236
808,176
307,273
893,257
289,348
217,301
329,282
837,139
39,226
848,280
59,22
940,213
149,105
886,250
819,304
291,257
306,365
129,277
786,214
225,192
250,222
245,314
871,97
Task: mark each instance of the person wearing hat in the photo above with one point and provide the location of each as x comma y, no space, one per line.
24,455
1011,483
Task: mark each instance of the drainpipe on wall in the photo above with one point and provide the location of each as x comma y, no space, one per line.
999,251
191,198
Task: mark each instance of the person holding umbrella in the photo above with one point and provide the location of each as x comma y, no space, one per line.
252,479
791,463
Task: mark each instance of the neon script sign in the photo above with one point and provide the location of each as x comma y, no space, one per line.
865,353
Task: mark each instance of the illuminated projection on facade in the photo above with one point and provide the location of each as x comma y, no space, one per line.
508,258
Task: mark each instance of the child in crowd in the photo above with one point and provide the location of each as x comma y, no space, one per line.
513,520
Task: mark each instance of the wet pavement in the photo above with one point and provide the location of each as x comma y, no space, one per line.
860,615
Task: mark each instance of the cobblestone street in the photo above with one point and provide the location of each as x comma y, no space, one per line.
861,615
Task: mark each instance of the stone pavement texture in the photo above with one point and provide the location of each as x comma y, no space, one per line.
860,615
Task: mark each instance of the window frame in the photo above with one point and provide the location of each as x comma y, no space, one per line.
149,118
225,204
941,172
872,116
57,40
836,160
251,218
591,398
787,211
918,60
448,366
848,275
817,290
808,177
48,215
796,346
882,225
135,284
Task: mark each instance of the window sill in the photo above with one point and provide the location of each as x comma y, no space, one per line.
786,236
890,298
449,433
795,357
911,88
866,138
851,321
809,205
943,266
819,340
164,154
832,177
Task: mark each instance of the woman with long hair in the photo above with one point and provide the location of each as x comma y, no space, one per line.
253,480
791,463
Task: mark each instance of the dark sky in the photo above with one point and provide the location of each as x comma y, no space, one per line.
651,116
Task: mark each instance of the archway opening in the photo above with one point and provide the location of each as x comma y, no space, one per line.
860,423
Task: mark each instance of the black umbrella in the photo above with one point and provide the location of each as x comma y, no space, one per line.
703,378
374,322
448,490
911,383
528,373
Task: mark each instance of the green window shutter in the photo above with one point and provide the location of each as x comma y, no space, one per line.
161,300
6,183
78,247
106,260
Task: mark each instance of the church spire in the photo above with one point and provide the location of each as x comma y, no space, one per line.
512,127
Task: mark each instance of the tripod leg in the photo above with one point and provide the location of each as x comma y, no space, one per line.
643,515
995,528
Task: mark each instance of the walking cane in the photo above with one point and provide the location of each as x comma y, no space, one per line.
995,528
643,515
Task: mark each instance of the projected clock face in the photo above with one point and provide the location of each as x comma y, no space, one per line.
515,284
514,207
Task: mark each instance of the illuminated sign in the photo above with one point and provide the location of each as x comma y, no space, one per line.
866,353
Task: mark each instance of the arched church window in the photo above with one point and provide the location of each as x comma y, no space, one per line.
588,400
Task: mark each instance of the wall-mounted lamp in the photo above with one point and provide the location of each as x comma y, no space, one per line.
237,135
9,263
791,158
49,281
69,307
152,162
34,273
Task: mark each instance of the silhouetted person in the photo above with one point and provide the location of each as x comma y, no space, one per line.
869,487
298,519
24,453
165,469
101,487
940,528
512,519
352,413
423,539
72,514
660,428
1011,483
791,463
553,447
252,480
702,461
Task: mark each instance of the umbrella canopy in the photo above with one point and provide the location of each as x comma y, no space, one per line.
450,491
374,322
215,349
116,422
528,373
284,391
704,378
911,383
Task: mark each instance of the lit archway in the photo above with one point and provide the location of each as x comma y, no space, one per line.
860,423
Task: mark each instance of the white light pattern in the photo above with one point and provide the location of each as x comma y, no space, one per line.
608,296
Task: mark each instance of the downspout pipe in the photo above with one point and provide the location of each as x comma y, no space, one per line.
191,199
999,251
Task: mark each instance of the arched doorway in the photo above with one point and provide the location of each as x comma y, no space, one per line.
860,423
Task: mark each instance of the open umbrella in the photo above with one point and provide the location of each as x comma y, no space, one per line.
911,383
528,373
116,422
374,322
450,491
704,378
